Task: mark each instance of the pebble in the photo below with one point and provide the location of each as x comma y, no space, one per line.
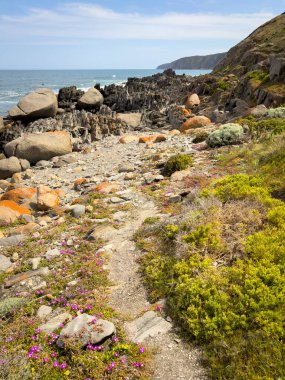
116,200
5,263
35,261
44,311
78,210
52,253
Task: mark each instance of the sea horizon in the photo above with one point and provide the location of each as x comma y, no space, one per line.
23,81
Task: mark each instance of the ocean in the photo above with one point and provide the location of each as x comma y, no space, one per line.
16,83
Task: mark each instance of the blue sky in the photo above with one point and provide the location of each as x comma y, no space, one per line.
76,34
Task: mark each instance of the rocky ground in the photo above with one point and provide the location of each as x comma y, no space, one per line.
124,173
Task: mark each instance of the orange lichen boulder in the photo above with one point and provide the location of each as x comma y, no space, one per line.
106,187
22,210
160,138
23,195
47,198
128,139
195,122
146,139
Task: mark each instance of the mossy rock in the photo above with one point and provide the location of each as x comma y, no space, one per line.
177,163
228,134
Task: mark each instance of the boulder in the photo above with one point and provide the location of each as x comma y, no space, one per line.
258,111
195,122
192,101
54,323
86,330
36,147
131,119
91,99
10,212
128,139
5,263
38,104
24,195
177,115
12,165
46,198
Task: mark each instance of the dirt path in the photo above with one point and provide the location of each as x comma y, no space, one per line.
173,358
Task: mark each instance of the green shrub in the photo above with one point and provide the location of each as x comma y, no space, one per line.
265,128
277,112
240,186
258,75
9,305
228,134
224,85
176,163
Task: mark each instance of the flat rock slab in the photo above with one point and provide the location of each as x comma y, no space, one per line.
149,325
55,322
87,330
24,276
5,263
12,240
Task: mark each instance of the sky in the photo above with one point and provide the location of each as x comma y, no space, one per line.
119,34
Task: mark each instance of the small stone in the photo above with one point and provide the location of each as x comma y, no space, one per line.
5,263
126,168
35,261
16,178
28,174
89,208
44,311
28,218
52,253
78,210
43,164
15,256
116,200
159,178
175,198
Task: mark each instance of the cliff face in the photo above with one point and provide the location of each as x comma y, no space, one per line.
198,62
259,63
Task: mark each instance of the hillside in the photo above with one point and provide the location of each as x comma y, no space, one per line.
197,62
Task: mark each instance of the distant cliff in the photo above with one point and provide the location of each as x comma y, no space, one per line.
197,62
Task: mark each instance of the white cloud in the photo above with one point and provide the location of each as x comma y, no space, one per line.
75,22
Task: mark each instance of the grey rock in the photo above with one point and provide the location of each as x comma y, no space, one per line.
38,104
43,164
131,119
116,200
9,166
12,240
39,146
126,168
55,322
24,276
78,211
5,263
52,253
149,325
175,198
28,218
83,329
44,311
25,164
91,99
